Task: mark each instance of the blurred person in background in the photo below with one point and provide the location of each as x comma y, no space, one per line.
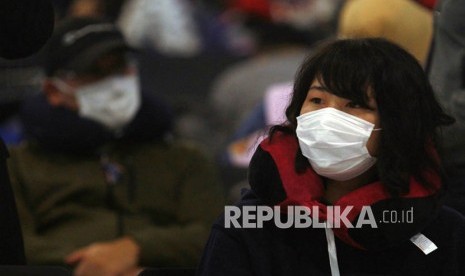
19,79
98,184
440,49
108,9
253,129
182,38
282,39
446,71
429,4
166,26
404,22
283,33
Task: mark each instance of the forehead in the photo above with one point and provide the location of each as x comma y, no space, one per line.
353,93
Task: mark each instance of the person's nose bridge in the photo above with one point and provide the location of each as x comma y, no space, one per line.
335,102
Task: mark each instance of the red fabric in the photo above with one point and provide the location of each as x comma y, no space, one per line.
427,3
257,7
307,189
280,149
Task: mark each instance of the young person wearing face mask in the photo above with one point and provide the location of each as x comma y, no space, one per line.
98,185
361,136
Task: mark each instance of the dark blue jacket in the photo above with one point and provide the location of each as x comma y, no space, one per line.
386,250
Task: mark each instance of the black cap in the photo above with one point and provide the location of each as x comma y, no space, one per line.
77,42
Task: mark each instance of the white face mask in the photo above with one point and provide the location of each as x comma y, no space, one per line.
335,143
112,102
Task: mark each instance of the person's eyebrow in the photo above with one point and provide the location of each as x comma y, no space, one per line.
319,88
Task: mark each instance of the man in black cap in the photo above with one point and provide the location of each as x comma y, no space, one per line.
98,186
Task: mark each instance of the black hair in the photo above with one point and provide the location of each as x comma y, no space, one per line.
409,113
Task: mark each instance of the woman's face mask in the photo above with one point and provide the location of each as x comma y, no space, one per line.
113,101
335,143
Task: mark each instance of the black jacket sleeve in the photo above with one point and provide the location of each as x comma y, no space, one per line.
224,256
11,240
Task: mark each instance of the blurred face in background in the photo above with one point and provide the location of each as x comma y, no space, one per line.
61,89
303,14
108,92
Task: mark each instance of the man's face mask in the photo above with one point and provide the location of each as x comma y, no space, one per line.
113,101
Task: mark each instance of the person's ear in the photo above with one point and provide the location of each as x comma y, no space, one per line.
52,93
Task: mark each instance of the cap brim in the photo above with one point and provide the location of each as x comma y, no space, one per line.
85,60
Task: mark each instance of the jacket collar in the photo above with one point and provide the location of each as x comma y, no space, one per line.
61,130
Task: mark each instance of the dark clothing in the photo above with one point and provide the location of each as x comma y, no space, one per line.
77,183
273,251
447,75
11,241
164,195
382,250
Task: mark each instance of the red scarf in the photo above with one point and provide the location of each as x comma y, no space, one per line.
307,189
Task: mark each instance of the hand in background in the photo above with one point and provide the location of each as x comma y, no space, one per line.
118,257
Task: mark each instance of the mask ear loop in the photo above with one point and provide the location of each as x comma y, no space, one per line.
62,86
377,129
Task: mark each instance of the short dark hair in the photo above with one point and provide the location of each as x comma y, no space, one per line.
409,113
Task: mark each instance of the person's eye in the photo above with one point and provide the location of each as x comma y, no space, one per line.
315,100
354,105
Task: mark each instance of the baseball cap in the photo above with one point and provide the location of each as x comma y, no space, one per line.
78,42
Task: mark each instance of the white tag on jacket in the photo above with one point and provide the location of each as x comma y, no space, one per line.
422,242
